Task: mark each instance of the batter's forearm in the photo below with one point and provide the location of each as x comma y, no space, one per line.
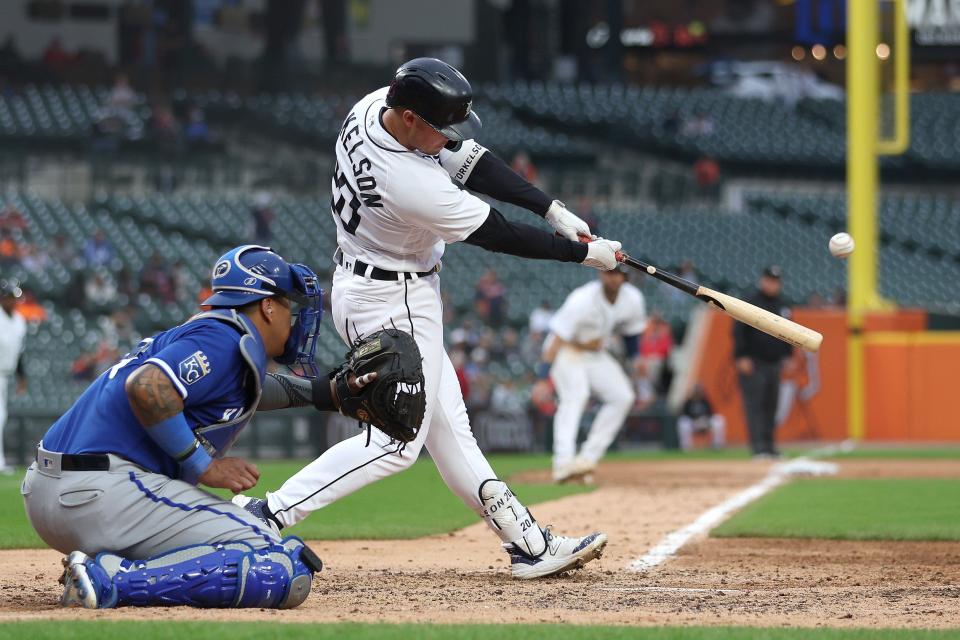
493,177
517,239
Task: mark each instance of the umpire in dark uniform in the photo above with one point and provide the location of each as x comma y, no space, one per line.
759,358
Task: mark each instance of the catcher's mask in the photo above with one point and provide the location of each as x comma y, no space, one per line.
251,272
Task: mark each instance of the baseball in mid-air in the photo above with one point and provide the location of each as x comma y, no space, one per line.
841,245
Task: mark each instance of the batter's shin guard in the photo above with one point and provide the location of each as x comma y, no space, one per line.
217,576
509,519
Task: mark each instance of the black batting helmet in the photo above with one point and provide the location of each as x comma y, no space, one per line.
439,94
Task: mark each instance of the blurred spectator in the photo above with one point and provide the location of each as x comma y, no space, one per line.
262,216
122,96
118,328
706,171
124,282
197,131
11,218
540,318
165,129
701,124
655,347
465,336
458,358
98,251
178,278
30,308
839,297
91,364
11,62
205,292
524,166
55,57
100,292
75,295
817,301
64,251
697,416
672,122
489,299
9,248
155,281
688,272
34,258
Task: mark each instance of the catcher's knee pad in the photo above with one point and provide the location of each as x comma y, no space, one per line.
512,521
215,576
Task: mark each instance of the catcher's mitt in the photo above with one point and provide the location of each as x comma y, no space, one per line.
394,401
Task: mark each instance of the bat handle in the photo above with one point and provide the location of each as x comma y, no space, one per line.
621,256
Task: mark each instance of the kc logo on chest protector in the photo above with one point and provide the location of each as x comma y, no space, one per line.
193,368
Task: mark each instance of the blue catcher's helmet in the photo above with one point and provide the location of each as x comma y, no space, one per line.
251,272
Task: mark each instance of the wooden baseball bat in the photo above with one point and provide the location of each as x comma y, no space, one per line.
761,319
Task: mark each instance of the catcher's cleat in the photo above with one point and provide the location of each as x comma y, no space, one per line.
259,508
86,583
562,554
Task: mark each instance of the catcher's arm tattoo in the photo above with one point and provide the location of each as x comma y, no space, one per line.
152,395
282,391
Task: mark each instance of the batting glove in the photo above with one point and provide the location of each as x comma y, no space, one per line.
602,254
566,223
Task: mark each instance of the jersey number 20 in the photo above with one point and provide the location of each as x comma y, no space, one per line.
341,191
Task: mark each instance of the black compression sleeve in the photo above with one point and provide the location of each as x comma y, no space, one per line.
493,177
282,391
21,370
517,239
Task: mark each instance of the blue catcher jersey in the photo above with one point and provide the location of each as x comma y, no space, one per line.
217,364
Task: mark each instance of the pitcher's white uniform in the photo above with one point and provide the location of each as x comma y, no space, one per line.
395,209
587,316
13,331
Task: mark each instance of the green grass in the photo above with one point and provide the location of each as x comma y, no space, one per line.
841,509
165,630
407,505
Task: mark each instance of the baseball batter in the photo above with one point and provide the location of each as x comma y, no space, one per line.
13,331
115,480
403,154
579,332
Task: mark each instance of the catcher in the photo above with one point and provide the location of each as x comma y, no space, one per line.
115,482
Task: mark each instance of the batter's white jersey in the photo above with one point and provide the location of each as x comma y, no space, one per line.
396,208
587,315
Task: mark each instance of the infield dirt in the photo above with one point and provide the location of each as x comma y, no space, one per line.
464,576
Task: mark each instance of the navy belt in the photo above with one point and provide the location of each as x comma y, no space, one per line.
83,461
376,273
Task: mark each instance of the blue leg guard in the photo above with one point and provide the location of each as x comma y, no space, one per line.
223,575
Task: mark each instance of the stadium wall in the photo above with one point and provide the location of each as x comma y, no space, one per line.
911,374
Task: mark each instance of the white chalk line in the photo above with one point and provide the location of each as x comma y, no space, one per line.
673,542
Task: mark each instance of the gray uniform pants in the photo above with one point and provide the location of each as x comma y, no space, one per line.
130,511
761,390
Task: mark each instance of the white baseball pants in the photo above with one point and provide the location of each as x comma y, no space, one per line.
361,307
576,374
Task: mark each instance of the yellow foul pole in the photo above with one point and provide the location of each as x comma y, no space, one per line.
863,146
862,177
